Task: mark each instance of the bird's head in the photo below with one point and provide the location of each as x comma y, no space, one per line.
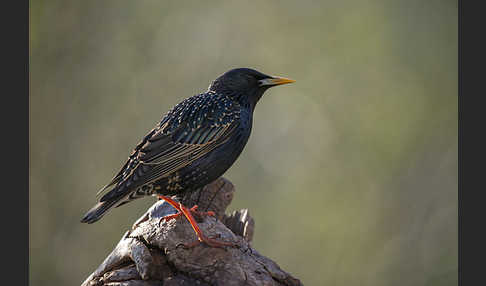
246,84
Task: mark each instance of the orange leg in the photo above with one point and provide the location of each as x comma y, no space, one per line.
179,213
187,213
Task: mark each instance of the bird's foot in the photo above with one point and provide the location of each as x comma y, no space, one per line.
193,210
188,214
178,214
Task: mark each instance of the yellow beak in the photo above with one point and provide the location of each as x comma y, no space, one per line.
276,80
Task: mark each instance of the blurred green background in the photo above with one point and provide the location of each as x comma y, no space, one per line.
350,173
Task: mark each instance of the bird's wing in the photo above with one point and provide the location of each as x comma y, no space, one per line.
120,175
192,129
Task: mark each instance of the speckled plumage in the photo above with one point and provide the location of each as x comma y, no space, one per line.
194,144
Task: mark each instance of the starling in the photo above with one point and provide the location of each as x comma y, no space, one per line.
193,145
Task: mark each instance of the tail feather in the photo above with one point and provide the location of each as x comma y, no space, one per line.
114,198
96,212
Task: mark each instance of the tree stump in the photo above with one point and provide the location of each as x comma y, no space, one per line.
153,252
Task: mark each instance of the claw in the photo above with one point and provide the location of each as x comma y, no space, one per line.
187,213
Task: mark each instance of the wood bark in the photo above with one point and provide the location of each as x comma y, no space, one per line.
153,252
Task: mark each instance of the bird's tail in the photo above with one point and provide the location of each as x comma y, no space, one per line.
96,212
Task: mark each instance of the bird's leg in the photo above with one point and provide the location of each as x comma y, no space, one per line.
192,210
187,213
178,214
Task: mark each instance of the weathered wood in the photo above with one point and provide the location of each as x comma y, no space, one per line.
152,253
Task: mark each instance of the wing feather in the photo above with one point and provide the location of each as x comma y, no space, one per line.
192,129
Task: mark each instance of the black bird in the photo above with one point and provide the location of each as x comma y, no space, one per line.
193,145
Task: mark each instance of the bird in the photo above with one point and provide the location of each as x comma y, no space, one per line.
195,143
